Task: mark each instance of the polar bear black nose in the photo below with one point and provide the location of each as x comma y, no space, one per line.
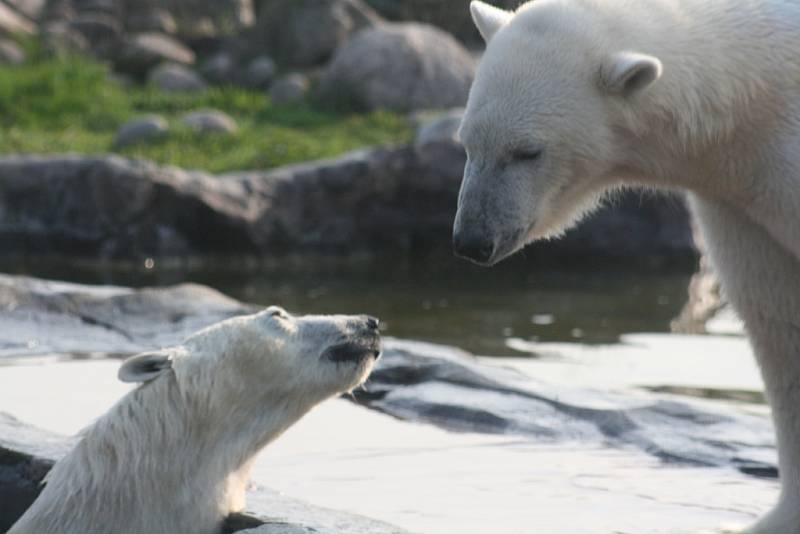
473,249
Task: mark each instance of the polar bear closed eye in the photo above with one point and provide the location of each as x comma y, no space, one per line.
574,98
173,455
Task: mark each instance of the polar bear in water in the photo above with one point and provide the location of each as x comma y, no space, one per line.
173,455
574,98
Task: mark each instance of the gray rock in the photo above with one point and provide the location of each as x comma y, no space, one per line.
60,39
413,381
156,20
12,23
210,121
450,15
440,127
259,73
32,9
11,53
220,68
175,78
206,17
401,67
290,89
400,199
308,32
141,52
141,130
104,32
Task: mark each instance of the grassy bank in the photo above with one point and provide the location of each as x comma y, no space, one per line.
62,105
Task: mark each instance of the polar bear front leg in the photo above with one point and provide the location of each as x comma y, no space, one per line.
762,281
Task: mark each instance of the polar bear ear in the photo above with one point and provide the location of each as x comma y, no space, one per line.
488,18
628,73
145,367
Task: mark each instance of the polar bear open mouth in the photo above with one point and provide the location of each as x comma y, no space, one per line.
354,351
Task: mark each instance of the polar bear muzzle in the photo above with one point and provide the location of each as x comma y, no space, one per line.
362,344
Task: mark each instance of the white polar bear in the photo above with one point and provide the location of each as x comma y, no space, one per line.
173,455
574,98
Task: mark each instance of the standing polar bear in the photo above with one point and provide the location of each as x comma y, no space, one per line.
173,456
574,98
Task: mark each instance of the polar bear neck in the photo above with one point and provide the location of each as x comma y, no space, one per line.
154,438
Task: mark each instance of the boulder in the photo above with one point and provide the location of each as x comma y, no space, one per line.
413,381
401,67
13,23
139,53
308,32
450,15
220,68
259,73
398,200
210,121
11,53
32,9
157,20
141,130
104,32
290,89
175,78
61,39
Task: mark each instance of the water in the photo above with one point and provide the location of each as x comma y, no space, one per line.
566,331
439,299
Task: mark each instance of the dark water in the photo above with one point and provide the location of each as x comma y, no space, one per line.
441,300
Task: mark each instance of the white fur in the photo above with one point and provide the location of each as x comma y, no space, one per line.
716,113
173,455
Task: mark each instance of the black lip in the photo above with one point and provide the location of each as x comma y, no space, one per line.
353,351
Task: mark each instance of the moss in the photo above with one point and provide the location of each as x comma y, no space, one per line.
73,104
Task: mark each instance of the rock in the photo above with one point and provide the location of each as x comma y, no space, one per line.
11,53
308,32
12,23
141,52
402,67
210,121
413,381
210,17
156,20
290,89
440,127
98,29
220,68
398,200
32,9
259,73
450,15
705,294
175,78
141,130
60,39
28,453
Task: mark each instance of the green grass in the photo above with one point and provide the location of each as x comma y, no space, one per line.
58,105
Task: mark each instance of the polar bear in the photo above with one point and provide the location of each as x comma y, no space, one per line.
173,455
575,98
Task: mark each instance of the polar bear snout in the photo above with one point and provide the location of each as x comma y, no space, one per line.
360,343
472,247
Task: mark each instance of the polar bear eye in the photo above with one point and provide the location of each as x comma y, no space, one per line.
278,312
525,154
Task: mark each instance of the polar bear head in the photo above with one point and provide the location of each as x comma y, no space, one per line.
552,99
267,361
